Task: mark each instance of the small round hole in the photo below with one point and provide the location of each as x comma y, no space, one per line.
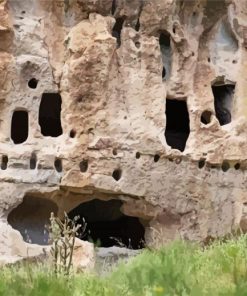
237,166
225,166
137,44
114,151
58,165
84,165
193,54
209,60
201,163
234,61
117,174
32,83
138,155
23,12
156,157
174,29
206,117
125,117
72,133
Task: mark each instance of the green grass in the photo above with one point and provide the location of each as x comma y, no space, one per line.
179,269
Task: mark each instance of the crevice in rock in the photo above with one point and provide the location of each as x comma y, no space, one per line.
107,226
138,25
114,7
223,97
177,124
117,29
50,115
31,219
19,126
166,53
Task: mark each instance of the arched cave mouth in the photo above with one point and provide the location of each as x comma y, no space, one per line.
107,226
32,217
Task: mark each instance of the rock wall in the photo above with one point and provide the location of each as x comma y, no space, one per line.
153,112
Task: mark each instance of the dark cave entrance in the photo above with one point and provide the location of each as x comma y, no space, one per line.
32,217
19,126
50,115
177,124
166,53
223,97
108,226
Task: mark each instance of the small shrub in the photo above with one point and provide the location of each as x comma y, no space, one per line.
62,235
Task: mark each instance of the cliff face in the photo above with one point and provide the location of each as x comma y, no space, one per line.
142,101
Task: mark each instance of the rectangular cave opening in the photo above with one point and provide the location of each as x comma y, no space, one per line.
19,126
177,124
223,98
166,53
50,115
107,226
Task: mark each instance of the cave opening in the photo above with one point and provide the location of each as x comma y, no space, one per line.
19,126
31,219
166,53
50,115
107,226
177,124
223,97
117,29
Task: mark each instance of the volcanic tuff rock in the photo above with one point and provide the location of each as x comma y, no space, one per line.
142,101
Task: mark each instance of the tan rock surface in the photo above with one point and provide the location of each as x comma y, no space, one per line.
113,112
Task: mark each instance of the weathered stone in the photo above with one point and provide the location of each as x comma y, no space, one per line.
179,169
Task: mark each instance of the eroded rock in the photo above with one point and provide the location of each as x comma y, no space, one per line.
143,102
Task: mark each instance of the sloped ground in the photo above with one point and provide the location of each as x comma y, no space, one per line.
179,269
